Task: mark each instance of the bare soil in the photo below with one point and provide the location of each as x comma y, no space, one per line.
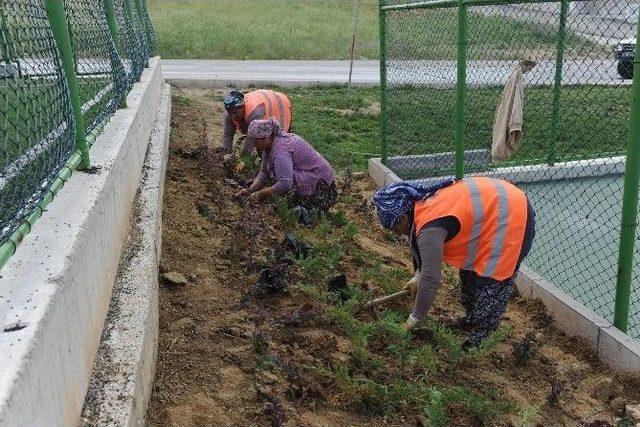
232,357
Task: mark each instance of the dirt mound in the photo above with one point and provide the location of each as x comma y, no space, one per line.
307,354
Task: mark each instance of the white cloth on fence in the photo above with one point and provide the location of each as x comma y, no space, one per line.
507,127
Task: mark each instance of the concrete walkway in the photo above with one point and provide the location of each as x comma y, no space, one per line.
208,73
222,73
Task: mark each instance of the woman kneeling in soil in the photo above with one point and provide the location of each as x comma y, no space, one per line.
299,171
483,226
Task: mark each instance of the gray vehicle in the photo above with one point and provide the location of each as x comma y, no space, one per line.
625,53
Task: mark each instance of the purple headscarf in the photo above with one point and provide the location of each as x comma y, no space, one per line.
259,129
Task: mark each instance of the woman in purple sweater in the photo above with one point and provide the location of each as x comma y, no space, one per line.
296,169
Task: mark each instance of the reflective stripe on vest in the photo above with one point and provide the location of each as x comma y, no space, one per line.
492,214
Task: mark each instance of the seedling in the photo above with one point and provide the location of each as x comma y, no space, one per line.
525,349
260,343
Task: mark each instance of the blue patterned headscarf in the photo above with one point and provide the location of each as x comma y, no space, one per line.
235,99
395,200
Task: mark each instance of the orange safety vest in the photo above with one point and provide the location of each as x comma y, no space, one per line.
276,105
493,216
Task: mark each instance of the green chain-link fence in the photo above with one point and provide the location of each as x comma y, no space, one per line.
576,116
101,78
66,66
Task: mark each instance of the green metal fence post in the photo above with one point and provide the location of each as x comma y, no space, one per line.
111,22
383,83
557,83
60,29
629,206
461,87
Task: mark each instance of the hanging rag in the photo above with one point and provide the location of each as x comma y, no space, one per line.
507,127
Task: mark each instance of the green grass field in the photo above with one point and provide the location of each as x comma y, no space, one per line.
263,29
593,121
314,29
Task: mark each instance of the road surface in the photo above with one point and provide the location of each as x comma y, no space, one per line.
208,73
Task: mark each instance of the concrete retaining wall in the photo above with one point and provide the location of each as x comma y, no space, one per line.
616,349
55,292
123,373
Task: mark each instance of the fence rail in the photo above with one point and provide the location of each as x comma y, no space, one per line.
444,66
65,68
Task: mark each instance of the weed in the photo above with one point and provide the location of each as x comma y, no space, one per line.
322,261
373,397
249,163
445,338
489,344
342,317
483,410
338,218
182,100
436,409
350,231
388,333
288,216
425,360
323,228
625,422
526,415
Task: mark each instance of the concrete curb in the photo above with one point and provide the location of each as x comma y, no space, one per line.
120,388
208,83
431,163
57,287
614,348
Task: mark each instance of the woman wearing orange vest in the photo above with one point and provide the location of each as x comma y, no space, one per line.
482,226
242,109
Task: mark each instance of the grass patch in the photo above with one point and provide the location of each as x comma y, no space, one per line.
420,121
263,29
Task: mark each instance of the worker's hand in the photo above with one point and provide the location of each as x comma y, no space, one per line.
258,196
410,323
242,193
412,286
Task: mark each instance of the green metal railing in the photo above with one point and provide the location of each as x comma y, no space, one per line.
444,65
62,76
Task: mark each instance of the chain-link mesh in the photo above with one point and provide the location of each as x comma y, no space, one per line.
36,131
101,77
131,50
152,41
575,122
139,29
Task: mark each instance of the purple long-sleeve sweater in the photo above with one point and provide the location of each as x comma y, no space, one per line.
293,163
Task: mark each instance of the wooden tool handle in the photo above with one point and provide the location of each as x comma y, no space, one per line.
387,298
